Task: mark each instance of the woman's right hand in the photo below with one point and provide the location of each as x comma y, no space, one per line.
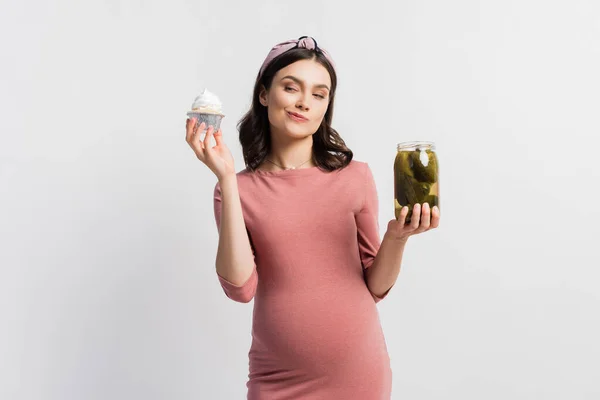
218,158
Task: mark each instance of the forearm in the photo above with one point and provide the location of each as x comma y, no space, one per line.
235,261
382,275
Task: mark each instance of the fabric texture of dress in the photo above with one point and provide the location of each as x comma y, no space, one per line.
316,332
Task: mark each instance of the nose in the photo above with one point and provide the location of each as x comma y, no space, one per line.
302,103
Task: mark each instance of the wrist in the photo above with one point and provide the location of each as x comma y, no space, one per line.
227,179
388,237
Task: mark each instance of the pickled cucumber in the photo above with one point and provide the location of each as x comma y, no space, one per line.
421,189
424,172
403,164
406,190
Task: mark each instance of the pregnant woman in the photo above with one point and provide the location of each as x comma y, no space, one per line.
298,234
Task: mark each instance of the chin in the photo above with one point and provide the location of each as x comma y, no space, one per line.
299,132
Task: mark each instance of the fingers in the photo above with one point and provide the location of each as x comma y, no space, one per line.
425,218
219,137
192,128
193,141
415,218
190,125
207,137
197,132
402,216
435,217
429,218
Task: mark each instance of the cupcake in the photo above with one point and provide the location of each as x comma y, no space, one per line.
207,108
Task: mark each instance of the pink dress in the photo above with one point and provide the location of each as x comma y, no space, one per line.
316,333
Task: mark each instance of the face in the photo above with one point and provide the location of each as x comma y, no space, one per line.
297,99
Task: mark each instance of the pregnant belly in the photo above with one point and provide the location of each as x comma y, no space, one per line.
333,331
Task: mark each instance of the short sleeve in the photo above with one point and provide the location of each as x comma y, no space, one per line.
247,290
367,223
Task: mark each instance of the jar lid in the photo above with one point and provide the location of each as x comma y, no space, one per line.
416,145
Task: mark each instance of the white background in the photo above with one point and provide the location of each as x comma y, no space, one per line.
108,287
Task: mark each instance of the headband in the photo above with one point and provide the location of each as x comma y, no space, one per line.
304,42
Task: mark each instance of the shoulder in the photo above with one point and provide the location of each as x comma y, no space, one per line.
358,165
361,176
355,176
358,168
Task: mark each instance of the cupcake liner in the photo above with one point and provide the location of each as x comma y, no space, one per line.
208,119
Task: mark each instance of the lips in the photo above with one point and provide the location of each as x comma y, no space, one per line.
297,117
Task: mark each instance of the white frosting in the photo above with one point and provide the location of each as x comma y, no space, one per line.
207,100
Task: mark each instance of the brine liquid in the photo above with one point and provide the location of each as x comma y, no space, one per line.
415,180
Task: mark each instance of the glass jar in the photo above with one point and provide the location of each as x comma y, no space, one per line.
416,175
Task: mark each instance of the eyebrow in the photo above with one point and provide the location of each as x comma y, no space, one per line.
300,82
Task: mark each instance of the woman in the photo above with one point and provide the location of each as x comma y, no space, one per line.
298,233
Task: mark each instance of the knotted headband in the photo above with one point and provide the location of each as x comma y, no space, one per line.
305,42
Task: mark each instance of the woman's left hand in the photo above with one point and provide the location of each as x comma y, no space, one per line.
423,219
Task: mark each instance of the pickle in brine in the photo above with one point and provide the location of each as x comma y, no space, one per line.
424,165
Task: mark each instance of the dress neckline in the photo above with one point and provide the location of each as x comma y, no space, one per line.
289,172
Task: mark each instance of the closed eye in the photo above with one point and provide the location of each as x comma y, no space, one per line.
292,89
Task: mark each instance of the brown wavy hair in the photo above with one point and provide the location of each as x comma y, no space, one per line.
329,149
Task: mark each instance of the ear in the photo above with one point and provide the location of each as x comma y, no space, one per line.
262,97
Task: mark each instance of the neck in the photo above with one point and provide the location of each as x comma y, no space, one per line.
290,154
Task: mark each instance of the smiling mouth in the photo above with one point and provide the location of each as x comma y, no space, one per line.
297,117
